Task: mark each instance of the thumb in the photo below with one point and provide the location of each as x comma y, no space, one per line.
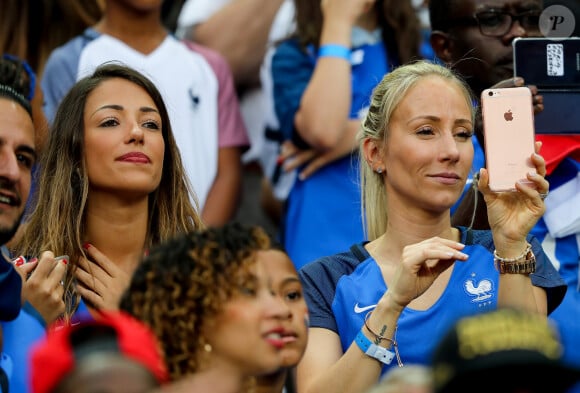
25,269
512,82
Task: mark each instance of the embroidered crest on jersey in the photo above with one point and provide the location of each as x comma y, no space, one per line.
480,291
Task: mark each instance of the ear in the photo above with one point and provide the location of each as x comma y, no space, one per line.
373,153
441,43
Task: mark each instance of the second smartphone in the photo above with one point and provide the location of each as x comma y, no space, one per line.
508,125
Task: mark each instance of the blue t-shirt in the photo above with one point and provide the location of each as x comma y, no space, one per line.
341,289
20,336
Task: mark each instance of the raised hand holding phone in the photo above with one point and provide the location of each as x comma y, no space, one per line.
508,124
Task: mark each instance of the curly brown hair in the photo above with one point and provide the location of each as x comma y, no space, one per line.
184,283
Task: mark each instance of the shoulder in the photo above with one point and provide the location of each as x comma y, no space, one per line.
77,43
65,58
212,56
331,268
482,237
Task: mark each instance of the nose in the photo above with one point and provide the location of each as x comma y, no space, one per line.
136,134
279,308
448,148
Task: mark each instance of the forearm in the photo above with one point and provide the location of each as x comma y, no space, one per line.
243,42
517,290
354,371
325,104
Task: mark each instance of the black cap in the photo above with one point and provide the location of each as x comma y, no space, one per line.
499,351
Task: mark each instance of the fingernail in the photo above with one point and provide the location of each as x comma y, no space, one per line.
518,81
63,258
33,260
19,261
86,245
532,174
279,160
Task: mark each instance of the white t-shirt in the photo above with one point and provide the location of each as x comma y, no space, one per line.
257,104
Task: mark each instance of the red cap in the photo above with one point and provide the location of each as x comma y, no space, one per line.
557,147
54,357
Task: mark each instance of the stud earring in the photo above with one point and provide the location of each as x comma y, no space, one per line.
379,170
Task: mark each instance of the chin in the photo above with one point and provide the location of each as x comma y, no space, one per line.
135,188
290,358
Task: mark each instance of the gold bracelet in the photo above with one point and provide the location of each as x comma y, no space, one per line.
522,264
379,338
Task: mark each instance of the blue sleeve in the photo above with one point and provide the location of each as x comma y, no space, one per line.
546,276
319,282
291,72
10,290
60,74
319,288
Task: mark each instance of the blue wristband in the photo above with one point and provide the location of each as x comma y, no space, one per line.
383,355
334,50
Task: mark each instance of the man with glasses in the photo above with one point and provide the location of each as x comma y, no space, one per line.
475,38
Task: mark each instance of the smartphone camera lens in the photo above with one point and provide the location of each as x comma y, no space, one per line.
490,93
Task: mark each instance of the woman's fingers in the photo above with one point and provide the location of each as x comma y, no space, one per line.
89,280
90,296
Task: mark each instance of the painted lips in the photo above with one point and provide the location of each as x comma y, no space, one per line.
135,157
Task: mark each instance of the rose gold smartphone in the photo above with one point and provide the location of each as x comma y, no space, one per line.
508,126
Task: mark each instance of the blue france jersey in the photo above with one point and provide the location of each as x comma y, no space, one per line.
341,289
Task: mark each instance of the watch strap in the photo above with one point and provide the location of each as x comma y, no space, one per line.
524,264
